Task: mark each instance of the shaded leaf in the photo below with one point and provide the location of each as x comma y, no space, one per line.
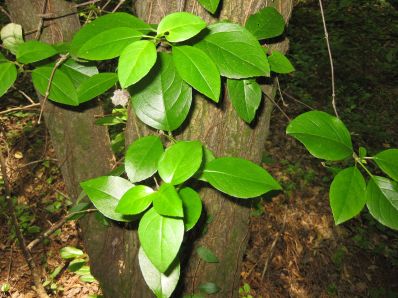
267,23
96,85
167,202
210,5
8,75
192,205
279,63
387,161
34,50
206,255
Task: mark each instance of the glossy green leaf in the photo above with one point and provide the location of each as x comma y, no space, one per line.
34,50
62,89
206,255
76,264
70,252
160,238
382,201
323,135
208,156
239,177
2,58
136,61
267,23
107,44
136,200
245,96
209,288
235,51
167,202
180,162
180,26
198,70
8,75
96,32
162,99
161,284
210,5
96,85
78,72
105,193
387,161
142,158
192,205
347,194
279,63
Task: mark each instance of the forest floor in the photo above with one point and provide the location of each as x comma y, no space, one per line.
294,250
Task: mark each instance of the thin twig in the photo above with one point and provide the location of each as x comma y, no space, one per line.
60,60
41,292
10,263
55,227
3,10
280,93
41,21
37,161
105,5
297,100
330,59
86,3
118,5
26,96
279,108
271,251
34,105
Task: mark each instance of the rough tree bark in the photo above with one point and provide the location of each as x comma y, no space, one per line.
83,150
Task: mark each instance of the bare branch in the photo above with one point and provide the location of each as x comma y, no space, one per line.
60,60
41,22
330,59
33,105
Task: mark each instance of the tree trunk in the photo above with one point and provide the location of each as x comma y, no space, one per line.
221,130
83,151
82,148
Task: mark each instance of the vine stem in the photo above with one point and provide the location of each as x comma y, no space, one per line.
41,292
55,227
358,160
330,59
59,62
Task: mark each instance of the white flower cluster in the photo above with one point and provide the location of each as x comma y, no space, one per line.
120,97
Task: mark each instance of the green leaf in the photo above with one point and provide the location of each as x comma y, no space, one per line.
347,194
206,255
239,177
180,26
208,156
279,63
76,265
192,205
387,161
198,70
210,5
167,202
161,284
70,252
142,158
96,85
8,75
78,73
105,193
135,200
33,51
323,135
107,44
162,99
97,31
209,288
136,61
62,89
245,96
382,201
362,152
12,37
87,278
161,238
180,162
235,51
267,23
